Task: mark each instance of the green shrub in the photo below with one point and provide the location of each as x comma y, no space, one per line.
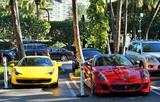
77,72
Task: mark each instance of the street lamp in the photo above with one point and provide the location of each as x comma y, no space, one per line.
37,2
140,26
47,13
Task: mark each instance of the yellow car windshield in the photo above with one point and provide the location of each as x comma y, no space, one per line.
38,61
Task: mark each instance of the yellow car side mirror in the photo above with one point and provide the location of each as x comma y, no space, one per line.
59,65
12,65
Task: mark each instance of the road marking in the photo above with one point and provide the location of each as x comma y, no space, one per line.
64,82
70,88
3,91
76,85
65,62
155,92
154,87
157,88
53,99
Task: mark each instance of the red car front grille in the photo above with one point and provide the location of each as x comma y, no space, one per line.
126,87
34,81
104,87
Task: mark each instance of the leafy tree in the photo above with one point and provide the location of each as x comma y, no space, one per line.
5,27
34,28
4,7
154,30
99,24
26,8
61,31
149,8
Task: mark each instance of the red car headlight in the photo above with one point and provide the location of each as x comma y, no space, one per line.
145,75
102,76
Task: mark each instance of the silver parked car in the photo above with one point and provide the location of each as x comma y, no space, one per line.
147,52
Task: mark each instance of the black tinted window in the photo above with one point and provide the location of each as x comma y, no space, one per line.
35,46
151,47
36,62
90,53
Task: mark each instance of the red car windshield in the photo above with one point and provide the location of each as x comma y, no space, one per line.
113,60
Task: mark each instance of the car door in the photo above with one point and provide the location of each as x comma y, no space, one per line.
88,72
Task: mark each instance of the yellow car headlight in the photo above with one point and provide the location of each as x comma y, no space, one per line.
51,72
16,72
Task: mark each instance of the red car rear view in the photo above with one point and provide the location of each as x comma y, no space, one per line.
115,73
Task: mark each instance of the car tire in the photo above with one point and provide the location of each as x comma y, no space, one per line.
63,58
14,86
93,92
54,85
145,93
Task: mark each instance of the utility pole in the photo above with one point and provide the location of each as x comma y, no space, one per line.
78,45
17,27
140,25
37,2
47,13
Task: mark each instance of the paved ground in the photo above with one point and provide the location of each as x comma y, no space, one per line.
67,91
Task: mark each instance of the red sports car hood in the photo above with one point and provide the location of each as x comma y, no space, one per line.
120,74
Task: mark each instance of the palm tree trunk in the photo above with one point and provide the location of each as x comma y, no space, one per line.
112,19
134,35
118,26
153,15
17,28
126,21
77,43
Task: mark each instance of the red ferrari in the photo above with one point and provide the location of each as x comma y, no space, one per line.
115,73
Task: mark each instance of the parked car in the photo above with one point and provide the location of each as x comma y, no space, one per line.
147,52
33,49
115,73
146,61
9,54
70,48
61,54
146,47
36,49
88,53
35,70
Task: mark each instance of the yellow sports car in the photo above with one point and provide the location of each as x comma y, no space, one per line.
35,70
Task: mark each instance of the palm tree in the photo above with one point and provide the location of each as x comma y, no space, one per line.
17,28
77,42
118,27
126,24
151,6
151,19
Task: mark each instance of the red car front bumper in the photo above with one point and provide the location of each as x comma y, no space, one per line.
104,87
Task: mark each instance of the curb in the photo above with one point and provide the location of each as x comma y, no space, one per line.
72,77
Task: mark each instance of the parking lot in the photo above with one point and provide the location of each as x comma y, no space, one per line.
67,91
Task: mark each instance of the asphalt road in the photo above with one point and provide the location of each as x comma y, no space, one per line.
68,90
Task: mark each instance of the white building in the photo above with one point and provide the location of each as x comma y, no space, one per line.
62,11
